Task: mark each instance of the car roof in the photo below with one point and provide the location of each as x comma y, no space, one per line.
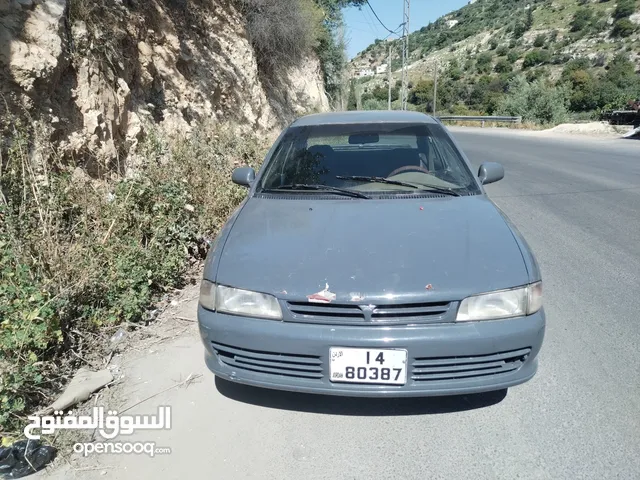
369,116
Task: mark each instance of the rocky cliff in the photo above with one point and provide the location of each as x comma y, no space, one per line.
93,73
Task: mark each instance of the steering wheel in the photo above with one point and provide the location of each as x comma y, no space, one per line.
407,168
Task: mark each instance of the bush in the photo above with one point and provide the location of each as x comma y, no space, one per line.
421,93
582,19
513,56
503,66
483,62
373,104
454,72
623,28
536,102
519,30
540,41
78,256
502,50
536,57
282,32
624,8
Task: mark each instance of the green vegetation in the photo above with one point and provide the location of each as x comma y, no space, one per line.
80,256
558,58
623,28
624,8
536,101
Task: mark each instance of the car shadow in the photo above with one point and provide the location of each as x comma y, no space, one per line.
356,406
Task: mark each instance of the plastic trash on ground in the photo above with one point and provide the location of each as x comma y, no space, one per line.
24,458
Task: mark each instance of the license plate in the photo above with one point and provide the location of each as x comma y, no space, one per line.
367,365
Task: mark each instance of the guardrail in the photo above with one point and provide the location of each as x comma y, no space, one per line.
482,119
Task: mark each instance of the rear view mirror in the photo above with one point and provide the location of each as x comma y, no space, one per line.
490,172
243,176
360,139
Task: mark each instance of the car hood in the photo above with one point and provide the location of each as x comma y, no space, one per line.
435,249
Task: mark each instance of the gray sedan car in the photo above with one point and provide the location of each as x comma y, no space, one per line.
367,260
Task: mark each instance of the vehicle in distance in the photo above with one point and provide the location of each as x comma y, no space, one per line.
367,260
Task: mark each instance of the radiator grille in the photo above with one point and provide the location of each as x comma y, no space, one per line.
290,365
453,368
350,314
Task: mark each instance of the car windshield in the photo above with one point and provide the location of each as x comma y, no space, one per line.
368,158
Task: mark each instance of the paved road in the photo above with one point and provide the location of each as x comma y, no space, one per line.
578,204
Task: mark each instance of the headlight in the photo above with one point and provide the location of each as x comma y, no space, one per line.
503,304
208,295
238,302
244,302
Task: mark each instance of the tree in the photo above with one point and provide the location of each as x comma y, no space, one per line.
536,57
624,8
535,102
584,89
503,66
529,19
582,19
382,93
519,29
502,50
623,27
483,62
352,102
421,93
454,71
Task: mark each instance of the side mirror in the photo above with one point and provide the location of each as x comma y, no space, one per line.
490,172
243,176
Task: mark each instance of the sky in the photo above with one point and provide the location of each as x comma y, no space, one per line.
363,28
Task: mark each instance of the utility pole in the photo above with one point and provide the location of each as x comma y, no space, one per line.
344,84
405,53
389,74
435,86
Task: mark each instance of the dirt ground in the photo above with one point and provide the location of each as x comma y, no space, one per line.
150,370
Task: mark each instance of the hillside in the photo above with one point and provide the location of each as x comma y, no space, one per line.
574,56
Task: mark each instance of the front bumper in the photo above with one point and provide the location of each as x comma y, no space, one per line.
261,352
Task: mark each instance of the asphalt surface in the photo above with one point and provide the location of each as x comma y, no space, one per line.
577,202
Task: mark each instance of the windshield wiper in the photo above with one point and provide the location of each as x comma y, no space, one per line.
322,188
424,188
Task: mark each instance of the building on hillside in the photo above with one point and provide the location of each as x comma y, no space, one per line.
365,72
381,69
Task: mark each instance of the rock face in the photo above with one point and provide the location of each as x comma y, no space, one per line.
95,71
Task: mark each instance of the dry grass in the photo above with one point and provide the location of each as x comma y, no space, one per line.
80,256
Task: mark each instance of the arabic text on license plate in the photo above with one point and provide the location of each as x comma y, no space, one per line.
367,365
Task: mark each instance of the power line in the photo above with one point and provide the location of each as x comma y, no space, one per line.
376,15
370,22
